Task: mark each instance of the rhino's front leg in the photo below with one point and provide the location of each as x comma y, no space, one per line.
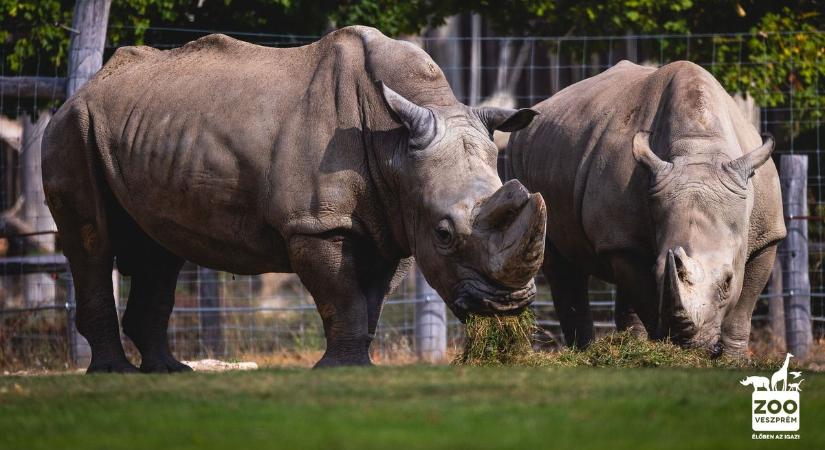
339,272
736,327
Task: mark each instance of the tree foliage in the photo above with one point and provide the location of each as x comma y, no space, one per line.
780,50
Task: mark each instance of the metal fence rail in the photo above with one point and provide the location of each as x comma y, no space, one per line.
273,313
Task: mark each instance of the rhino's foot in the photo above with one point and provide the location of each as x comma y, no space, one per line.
112,366
342,361
166,364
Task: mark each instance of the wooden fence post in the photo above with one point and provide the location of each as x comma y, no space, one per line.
88,37
793,252
430,322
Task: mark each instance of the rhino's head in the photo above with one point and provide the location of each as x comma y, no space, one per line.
700,205
478,243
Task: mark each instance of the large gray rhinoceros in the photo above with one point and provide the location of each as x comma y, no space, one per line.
658,184
252,159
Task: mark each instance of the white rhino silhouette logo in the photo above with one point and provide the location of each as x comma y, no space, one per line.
757,383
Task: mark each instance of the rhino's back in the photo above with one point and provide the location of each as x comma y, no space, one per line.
225,148
582,128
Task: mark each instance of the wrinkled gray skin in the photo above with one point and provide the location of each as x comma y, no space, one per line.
251,159
658,184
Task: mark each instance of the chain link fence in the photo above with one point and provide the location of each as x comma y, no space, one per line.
231,316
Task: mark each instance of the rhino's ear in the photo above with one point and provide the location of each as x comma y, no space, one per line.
419,121
505,119
645,156
743,166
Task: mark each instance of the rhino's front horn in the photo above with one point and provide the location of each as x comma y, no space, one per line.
680,273
516,221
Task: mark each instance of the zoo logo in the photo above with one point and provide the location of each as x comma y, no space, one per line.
775,401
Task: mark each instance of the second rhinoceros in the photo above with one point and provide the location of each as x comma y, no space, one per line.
658,184
251,159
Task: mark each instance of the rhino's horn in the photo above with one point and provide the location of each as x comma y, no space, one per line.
674,318
518,220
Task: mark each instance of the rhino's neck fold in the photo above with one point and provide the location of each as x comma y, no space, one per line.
384,153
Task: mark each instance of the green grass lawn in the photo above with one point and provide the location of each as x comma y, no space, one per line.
395,407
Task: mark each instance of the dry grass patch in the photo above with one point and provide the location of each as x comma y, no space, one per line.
495,341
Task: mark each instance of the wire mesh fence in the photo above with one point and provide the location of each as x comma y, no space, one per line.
226,315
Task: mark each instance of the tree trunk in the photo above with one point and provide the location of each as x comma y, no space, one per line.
88,39
89,22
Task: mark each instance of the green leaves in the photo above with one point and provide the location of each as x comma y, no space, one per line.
781,66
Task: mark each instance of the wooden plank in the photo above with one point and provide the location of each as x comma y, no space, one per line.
793,252
33,87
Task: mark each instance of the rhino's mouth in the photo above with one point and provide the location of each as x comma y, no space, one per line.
483,298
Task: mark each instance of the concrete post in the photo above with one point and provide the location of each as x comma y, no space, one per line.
430,322
209,298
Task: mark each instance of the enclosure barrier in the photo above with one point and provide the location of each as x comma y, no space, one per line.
220,314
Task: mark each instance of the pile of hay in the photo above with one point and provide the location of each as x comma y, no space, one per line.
495,341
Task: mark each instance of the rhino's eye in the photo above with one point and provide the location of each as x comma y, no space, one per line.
444,232
724,286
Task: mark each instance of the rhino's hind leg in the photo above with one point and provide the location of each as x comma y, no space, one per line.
636,295
73,191
335,268
154,272
96,313
569,288
87,246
